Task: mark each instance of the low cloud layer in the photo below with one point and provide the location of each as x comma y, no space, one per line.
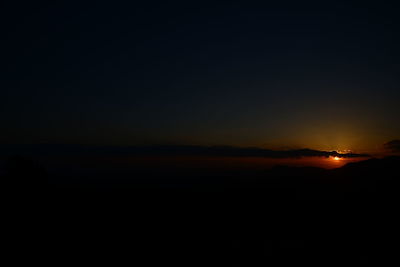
393,146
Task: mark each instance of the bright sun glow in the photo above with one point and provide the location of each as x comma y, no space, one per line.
336,158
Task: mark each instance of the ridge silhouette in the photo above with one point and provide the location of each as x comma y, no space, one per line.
283,215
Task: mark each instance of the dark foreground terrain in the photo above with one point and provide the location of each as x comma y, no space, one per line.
345,216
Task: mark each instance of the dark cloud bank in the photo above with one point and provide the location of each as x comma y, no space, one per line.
393,146
167,150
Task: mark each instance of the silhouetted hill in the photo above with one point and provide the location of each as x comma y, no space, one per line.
24,172
387,165
283,215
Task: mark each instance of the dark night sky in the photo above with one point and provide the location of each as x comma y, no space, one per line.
323,75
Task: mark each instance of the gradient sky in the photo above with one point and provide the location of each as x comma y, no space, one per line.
323,74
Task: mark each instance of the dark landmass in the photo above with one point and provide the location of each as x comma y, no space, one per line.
284,215
166,150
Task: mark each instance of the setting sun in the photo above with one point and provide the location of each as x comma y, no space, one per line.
336,158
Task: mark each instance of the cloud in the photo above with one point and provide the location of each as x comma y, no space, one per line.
393,146
172,150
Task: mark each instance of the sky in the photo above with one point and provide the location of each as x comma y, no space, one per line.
322,75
